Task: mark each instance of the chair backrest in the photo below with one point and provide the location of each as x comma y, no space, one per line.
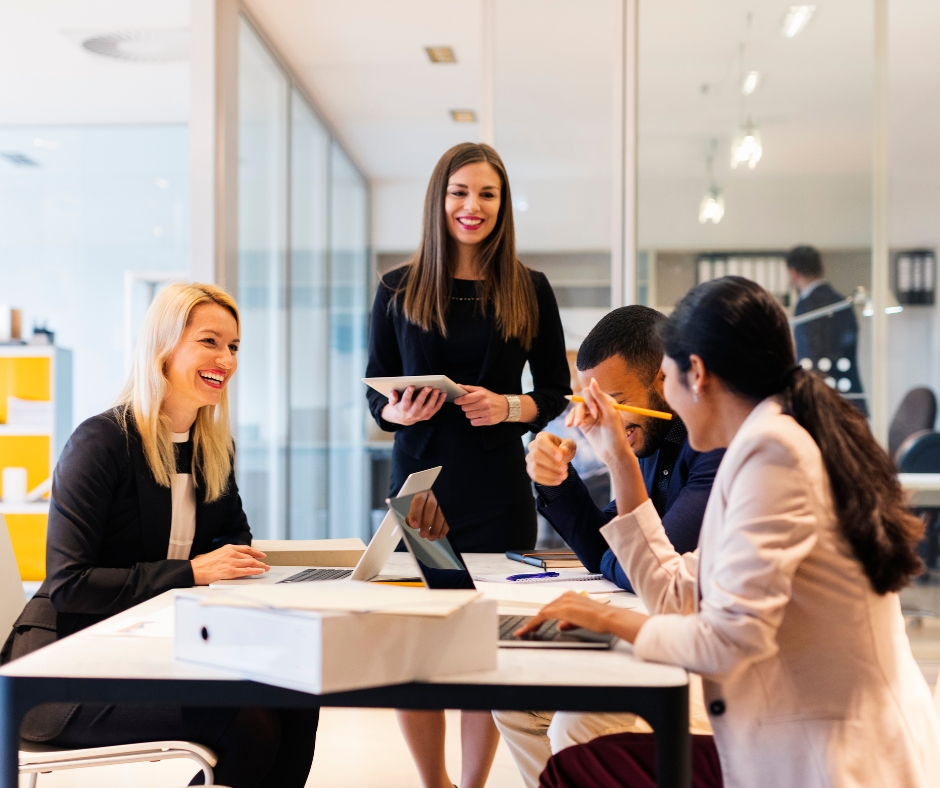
920,453
12,595
917,412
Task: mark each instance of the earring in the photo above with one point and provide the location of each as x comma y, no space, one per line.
695,393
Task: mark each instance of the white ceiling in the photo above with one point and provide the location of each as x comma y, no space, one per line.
46,77
364,62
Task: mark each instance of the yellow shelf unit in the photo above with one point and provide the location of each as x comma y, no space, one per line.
37,373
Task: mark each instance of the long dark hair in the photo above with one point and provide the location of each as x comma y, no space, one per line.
507,285
741,334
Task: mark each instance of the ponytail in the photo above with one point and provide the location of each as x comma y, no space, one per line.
868,499
741,334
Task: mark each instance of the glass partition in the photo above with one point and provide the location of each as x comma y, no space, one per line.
309,304
755,137
303,274
349,303
262,287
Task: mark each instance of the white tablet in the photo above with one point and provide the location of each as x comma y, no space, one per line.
399,383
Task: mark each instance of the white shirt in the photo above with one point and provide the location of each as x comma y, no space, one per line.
810,288
183,524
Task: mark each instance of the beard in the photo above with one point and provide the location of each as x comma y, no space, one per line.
653,431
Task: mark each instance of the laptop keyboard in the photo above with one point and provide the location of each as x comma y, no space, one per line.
309,575
509,624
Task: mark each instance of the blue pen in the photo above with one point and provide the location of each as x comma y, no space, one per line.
532,576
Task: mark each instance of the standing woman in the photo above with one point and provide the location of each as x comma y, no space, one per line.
465,307
143,501
789,607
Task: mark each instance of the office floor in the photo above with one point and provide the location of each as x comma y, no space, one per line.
356,748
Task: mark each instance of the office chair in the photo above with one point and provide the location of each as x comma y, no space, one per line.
920,453
917,412
42,758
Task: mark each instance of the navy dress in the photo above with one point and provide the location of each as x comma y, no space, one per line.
483,488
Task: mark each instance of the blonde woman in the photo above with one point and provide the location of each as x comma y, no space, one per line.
144,500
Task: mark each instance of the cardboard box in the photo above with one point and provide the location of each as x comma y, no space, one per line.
310,552
322,652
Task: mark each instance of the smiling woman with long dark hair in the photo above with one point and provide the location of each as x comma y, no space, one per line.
465,307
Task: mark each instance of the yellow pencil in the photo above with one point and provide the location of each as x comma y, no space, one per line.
656,414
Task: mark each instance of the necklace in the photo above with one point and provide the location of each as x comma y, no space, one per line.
454,298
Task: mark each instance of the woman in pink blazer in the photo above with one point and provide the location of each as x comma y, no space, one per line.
789,607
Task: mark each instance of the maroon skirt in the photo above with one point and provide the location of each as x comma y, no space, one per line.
625,760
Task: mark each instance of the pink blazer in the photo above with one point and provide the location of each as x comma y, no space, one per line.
808,674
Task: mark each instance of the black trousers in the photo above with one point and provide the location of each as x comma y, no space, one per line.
256,748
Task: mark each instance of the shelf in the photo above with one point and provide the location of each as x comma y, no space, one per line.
38,507
14,429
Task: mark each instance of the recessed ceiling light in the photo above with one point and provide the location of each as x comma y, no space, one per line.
39,142
441,54
161,183
144,45
751,81
797,19
463,115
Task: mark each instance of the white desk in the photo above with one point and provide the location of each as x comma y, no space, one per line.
923,489
92,667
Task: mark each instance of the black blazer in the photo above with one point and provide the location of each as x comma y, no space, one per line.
108,535
399,347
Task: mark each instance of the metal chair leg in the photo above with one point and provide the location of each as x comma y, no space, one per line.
32,779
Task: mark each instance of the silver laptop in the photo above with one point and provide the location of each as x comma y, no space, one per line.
373,560
442,566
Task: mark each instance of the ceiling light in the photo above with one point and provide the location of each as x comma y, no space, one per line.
155,45
522,203
161,183
797,19
751,81
712,208
441,54
746,147
39,142
463,115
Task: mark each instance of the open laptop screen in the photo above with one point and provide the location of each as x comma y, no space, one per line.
439,562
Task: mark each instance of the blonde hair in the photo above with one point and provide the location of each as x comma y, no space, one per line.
146,388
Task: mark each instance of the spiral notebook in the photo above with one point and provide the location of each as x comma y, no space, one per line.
563,577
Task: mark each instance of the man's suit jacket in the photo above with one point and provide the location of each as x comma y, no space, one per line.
108,534
808,674
578,520
399,347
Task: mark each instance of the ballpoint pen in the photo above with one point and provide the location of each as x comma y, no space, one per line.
532,576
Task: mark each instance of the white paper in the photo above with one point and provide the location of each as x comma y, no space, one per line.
537,595
158,624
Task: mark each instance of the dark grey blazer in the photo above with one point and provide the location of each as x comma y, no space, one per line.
109,530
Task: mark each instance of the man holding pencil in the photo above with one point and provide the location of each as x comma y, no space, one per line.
623,353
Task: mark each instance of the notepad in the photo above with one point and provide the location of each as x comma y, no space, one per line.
563,577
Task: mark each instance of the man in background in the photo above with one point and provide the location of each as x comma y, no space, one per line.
827,345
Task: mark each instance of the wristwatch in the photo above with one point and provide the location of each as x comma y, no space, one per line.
515,407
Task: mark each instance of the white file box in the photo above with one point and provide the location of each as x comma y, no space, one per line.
323,652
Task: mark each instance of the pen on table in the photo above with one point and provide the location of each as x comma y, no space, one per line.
532,576
656,414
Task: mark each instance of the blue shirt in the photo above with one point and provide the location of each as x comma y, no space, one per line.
681,505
